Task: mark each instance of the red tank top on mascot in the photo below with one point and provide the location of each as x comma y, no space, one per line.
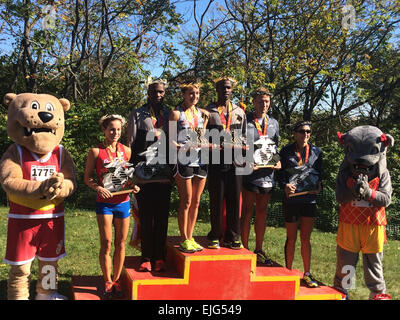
34,168
103,159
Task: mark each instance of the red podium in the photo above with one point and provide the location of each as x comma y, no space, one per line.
222,274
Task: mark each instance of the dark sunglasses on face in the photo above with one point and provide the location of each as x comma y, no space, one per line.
303,131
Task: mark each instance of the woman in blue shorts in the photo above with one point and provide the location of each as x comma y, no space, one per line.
110,210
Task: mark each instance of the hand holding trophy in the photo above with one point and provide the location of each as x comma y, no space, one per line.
303,180
266,154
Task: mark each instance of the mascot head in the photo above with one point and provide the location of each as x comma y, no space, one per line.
35,121
365,149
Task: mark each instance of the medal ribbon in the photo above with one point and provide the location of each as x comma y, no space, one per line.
258,126
300,160
226,124
192,118
157,123
119,154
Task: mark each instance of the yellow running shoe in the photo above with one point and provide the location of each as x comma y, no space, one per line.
196,245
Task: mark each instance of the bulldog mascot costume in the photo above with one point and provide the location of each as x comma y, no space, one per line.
37,173
363,189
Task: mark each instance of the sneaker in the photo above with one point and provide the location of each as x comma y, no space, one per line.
382,296
310,281
262,258
187,246
195,245
159,266
213,244
118,289
145,266
50,296
108,290
235,245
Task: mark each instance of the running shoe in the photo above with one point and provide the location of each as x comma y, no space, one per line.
187,246
262,258
382,296
235,245
310,281
145,266
118,289
195,245
108,290
213,244
159,266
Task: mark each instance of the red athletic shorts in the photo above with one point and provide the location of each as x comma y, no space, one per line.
27,238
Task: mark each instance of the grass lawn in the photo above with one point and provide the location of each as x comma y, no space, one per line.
82,245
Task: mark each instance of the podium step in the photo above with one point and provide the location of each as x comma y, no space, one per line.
222,274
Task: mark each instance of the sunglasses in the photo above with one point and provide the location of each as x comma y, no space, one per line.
303,131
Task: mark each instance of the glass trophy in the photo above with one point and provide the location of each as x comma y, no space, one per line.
119,177
305,178
265,153
151,170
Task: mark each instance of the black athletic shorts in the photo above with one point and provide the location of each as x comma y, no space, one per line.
187,172
256,189
293,212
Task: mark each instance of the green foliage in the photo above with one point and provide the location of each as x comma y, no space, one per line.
97,55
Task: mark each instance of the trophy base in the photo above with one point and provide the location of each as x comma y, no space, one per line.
302,193
260,166
122,192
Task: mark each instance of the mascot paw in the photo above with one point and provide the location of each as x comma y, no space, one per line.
362,189
51,187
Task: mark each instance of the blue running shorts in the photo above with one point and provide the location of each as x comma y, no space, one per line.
118,210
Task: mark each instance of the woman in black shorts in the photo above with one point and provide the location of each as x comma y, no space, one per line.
300,208
257,187
190,175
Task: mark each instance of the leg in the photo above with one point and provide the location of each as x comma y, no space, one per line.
306,227
18,282
121,233
261,218
346,264
216,190
233,191
185,194
373,273
245,221
145,200
160,228
104,223
197,190
47,277
290,244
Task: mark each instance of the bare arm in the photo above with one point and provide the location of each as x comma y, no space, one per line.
174,116
89,169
